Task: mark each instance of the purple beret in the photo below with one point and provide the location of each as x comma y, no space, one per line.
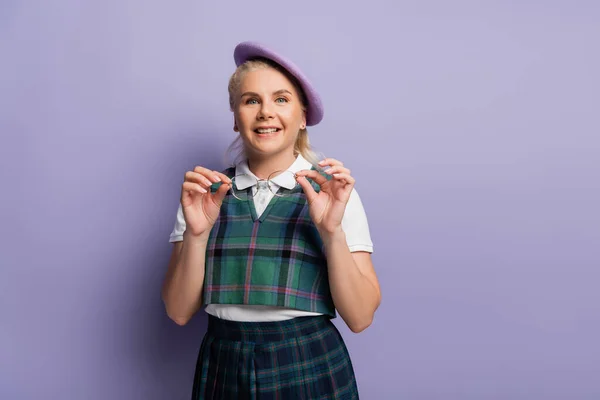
248,50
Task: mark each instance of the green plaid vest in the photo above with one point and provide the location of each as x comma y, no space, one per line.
275,260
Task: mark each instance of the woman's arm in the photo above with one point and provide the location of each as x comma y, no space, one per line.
182,287
198,211
352,281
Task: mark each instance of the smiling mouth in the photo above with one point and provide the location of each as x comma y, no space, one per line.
266,131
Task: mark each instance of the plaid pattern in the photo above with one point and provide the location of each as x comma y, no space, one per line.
301,358
275,260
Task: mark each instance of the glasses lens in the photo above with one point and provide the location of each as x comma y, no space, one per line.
241,186
285,181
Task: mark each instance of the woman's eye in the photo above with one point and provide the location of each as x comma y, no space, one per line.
281,100
251,101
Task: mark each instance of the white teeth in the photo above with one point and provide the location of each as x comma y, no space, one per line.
270,130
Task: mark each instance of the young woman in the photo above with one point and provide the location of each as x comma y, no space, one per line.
272,247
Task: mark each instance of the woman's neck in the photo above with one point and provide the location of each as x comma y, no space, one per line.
263,167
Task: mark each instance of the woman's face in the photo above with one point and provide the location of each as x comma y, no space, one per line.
268,112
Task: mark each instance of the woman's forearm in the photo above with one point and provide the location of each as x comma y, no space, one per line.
354,296
182,291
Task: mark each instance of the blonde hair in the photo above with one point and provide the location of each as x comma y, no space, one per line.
302,145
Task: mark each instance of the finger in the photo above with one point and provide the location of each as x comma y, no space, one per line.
344,177
331,162
196,177
219,195
193,187
222,176
314,175
213,176
337,170
309,191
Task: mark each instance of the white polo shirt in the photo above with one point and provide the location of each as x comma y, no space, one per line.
354,225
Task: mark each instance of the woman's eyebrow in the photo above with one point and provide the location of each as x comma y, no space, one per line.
280,91
249,94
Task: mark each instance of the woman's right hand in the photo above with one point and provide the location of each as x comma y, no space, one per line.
200,206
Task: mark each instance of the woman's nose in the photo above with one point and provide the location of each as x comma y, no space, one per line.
266,110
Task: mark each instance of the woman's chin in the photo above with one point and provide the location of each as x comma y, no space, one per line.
265,150
267,145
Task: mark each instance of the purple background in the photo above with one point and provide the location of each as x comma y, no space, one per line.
472,129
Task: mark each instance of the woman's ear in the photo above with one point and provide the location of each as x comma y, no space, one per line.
235,127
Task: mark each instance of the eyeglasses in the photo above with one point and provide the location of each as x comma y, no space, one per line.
280,183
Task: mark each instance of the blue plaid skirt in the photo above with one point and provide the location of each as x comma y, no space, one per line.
301,358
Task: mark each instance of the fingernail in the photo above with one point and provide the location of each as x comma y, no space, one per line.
217,178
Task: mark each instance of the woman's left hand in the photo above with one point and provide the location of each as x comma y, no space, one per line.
328,205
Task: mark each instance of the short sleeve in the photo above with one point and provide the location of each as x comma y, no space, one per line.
356,226
179,228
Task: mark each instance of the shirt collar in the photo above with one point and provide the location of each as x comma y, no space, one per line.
244,182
